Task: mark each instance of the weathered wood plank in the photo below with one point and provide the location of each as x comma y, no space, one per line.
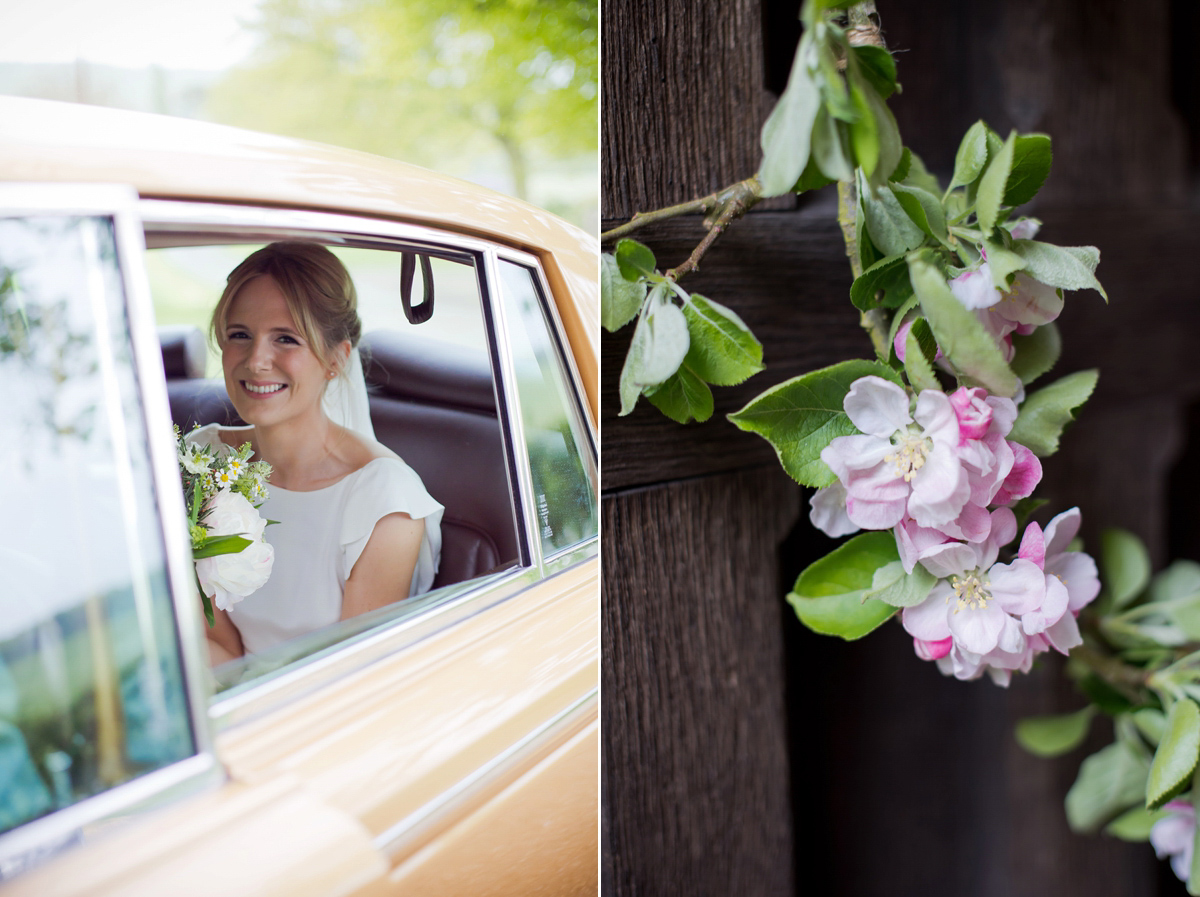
695,755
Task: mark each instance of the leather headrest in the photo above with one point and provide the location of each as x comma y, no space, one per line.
184,351
422,370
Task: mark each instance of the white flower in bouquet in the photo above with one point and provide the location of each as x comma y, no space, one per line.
228,578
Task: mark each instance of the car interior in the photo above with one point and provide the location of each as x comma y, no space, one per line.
432,402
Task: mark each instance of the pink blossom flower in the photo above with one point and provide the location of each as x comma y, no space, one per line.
1026,473
901,463
1076,570
827,511
1174,836
1023,307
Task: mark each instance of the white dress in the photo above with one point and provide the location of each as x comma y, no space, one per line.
319,537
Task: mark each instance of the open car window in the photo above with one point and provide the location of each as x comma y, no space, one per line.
477,397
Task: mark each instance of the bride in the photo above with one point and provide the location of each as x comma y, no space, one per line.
356,528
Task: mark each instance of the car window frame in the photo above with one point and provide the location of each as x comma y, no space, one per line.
461,600
36,840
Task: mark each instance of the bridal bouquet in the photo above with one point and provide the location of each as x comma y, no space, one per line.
222,495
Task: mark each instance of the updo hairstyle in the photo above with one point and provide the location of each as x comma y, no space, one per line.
317,287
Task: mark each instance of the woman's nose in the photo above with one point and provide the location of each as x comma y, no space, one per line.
260,356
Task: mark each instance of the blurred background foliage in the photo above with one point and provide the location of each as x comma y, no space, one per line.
504,93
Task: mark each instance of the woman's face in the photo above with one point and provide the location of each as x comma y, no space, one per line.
271,374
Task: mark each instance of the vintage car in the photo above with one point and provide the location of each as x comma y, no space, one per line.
447,744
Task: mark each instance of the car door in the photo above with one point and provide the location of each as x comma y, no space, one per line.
448,745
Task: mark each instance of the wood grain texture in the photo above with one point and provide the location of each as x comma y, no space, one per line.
683,101
695,759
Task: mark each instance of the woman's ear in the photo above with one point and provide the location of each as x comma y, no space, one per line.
341,355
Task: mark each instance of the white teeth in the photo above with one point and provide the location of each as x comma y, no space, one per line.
262,390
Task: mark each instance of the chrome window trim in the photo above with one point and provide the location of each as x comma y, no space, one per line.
337,661
45,835
404,838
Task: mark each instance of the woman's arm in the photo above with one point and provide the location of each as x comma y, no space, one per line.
224,640
383,573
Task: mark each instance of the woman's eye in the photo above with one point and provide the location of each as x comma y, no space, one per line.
290,340
237,334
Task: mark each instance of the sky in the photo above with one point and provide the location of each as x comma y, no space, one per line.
181,34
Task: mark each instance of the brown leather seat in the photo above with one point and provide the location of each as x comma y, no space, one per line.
431,403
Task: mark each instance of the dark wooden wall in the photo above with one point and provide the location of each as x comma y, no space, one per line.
742,754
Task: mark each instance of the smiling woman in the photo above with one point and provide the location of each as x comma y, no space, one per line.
357,529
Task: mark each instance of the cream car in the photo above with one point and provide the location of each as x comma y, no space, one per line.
444,745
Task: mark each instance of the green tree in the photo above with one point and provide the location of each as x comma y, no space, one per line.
431,83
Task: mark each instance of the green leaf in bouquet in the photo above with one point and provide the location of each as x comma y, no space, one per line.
919,352
923,209
634,259
884,285
828,595
1036,353
834,94
1179,580
1104,696
1110,781
992,184
891,230
971,156
787,134
891,585
917,175
205,601
898,317
1030,168
722,349
683,396
620,299
878,68
1177,753
1046,412
962,338
1002,263
1134,825
1066,267
660,343
1051,736
1124,565
217,545
801,416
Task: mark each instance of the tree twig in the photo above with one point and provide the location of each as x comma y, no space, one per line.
743,195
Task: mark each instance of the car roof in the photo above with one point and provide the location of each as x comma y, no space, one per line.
177,158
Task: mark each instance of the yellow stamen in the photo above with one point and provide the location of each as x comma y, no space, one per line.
970,591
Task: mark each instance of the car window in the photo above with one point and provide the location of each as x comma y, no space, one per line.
559,448
92,688
434,401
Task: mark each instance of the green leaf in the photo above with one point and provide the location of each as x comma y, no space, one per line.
1125,564
964,341
1151,722
660,343
1109,781
898,316
918,176
828,595
835,96
801,416
903,166
787,133
884,136
217,545
919,352
971,156
992,184
1180,580
884,285
1047,411
1036,353
1050,736
1002,262
923,208
1176,756
683,396
1135,824
1104,696
891,585
1066,267
828,153
1030,168
722,349
620,299
878,67
864,132
887,221
634,259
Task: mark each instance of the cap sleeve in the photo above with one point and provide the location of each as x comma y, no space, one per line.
387,486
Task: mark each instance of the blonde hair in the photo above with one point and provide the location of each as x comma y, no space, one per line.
316,286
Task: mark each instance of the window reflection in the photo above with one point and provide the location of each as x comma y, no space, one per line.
91,691
566,505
